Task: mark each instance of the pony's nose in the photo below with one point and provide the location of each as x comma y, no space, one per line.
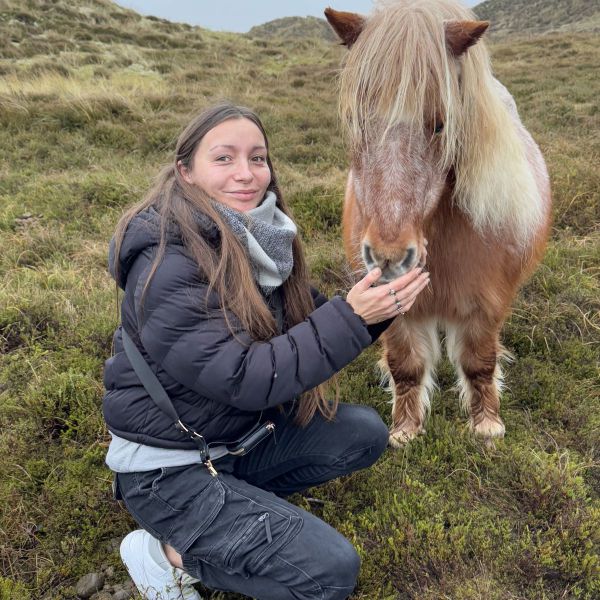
372,260
391,267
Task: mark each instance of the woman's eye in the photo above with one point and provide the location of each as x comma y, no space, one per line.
259,159
223,158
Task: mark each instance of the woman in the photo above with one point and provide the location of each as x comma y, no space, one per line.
218,302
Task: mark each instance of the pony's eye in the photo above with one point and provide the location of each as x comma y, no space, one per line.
438,128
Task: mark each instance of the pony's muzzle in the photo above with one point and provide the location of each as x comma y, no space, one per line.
391,267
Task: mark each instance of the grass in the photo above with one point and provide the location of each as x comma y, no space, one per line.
89,108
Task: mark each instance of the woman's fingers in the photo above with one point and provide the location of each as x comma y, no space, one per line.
395,312
401,282
403,303
404,294
369,279
412,291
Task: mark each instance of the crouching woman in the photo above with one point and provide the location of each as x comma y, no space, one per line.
217,304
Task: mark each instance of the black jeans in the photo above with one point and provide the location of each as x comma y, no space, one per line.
236,533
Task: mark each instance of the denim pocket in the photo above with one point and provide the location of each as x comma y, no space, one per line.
174,505
252,529
198,515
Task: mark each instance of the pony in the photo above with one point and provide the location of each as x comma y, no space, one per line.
443,174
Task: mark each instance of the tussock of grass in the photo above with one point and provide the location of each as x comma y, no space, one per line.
89,108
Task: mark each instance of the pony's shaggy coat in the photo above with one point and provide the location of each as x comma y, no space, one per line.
438,154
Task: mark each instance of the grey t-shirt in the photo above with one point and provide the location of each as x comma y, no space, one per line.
129,457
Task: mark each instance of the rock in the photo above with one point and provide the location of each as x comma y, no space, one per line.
89,584
109,572
121,595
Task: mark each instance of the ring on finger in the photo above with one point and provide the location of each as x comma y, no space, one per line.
392,292
398,306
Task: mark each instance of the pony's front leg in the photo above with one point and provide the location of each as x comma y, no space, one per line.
474,348
411,351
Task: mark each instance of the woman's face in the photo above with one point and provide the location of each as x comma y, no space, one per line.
230,164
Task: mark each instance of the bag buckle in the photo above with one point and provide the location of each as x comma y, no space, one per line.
202,446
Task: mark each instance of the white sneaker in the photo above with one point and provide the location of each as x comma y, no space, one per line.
151,571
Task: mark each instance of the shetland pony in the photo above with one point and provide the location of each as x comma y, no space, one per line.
442,171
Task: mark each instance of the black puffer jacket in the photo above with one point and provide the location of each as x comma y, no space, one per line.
216,382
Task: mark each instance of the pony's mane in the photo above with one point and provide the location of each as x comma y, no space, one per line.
400,71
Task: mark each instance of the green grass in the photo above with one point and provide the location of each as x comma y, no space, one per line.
88,113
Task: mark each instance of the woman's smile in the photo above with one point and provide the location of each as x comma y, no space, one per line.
243,193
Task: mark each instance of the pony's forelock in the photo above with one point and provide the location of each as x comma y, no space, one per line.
400,71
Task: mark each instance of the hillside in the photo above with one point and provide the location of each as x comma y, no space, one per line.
294,28
92,97
37,27
513,17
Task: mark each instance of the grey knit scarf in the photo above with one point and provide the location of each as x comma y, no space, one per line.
267,233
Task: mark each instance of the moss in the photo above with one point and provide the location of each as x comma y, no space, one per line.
13,590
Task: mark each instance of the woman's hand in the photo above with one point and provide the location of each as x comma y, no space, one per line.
376,304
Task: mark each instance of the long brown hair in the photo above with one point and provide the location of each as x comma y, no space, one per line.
226,267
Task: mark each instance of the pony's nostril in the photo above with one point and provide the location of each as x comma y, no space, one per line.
409,258
368,255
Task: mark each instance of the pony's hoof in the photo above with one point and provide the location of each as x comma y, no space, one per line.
489,430
401,435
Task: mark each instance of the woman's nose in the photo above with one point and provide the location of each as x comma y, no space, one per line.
243,172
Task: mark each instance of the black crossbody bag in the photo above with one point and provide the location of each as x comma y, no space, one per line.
160,397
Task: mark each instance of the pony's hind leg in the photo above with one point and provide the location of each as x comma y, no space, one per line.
411,353
474,349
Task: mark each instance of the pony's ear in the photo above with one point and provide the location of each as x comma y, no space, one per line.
346,24
461,35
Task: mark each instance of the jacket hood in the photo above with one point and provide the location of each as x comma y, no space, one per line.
144,232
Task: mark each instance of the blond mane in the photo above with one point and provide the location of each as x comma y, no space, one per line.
400,71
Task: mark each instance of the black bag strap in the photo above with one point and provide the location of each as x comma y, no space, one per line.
160,397
151,383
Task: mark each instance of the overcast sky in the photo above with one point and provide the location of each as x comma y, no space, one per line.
241,15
